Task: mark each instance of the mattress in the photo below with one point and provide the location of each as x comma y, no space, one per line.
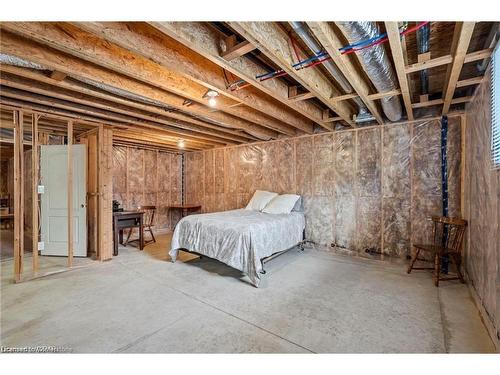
238,238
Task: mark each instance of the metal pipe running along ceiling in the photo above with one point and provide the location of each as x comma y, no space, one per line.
299,28
375,63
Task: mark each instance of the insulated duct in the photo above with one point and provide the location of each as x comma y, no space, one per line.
363,113
16,61
423,35
375,63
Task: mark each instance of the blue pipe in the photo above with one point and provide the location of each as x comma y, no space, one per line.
316,57
363,42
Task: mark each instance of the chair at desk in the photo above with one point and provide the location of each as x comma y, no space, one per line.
149,217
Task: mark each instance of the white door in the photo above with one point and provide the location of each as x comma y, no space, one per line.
54,200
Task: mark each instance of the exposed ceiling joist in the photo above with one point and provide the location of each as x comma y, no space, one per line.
39,81
399,62
332,44
57,75
234,49
149,87
274,43
201,38
106,116
55,92
464,32
181,63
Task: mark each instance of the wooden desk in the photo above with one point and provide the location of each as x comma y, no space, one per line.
185,208
127,219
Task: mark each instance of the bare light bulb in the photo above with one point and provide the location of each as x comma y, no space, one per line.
180,143
212,102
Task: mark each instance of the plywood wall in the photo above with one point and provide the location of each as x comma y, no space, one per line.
366,191
148,177
482,207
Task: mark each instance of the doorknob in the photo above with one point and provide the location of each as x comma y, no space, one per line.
83,205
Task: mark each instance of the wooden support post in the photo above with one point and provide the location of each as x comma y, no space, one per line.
397,55
70,193
34,185
18,196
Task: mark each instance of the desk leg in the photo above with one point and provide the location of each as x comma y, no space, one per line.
115,237
141,233
120,236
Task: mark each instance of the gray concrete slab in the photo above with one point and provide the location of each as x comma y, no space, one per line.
309,302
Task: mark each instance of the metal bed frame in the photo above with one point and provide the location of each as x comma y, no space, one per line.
275,255
270,257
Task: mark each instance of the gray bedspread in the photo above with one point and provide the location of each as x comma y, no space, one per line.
238,238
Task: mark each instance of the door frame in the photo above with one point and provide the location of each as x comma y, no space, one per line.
104,193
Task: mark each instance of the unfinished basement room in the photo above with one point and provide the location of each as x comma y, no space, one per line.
311,186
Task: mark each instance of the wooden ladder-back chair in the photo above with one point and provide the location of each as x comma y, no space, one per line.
448,234
148,223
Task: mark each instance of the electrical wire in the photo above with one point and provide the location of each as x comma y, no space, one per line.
320,57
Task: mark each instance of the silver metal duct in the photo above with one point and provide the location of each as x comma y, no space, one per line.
375,63
363,115
16,61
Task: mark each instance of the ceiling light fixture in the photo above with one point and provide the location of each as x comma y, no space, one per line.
211,95
181,143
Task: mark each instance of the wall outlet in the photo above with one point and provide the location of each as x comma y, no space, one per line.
41,245
41,189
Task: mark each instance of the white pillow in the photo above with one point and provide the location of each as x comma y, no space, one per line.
259,200
282,204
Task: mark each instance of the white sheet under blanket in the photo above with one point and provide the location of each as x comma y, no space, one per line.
238,238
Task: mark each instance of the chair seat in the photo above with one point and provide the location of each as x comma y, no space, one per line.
434,249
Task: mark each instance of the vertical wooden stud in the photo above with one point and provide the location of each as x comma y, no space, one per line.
34,186
70,193
18,195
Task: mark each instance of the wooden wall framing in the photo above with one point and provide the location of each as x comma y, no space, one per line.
100,154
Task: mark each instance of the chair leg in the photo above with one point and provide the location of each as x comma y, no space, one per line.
437,268
128,237
412,263
457,259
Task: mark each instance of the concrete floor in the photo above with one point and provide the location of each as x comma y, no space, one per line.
310,302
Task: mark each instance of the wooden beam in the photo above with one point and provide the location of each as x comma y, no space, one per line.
340,98
236,50
18,195
34,190
478,55
94,108
470,81
429,103
189,74
327,37
271,40
105,176
38,83
381,95
464,31
397,55
70,193
205,40
299,97
428,64
57,75
447,59
137,77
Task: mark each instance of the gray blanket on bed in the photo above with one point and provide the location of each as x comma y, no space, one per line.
238,238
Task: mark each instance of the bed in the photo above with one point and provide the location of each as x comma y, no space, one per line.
242,239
